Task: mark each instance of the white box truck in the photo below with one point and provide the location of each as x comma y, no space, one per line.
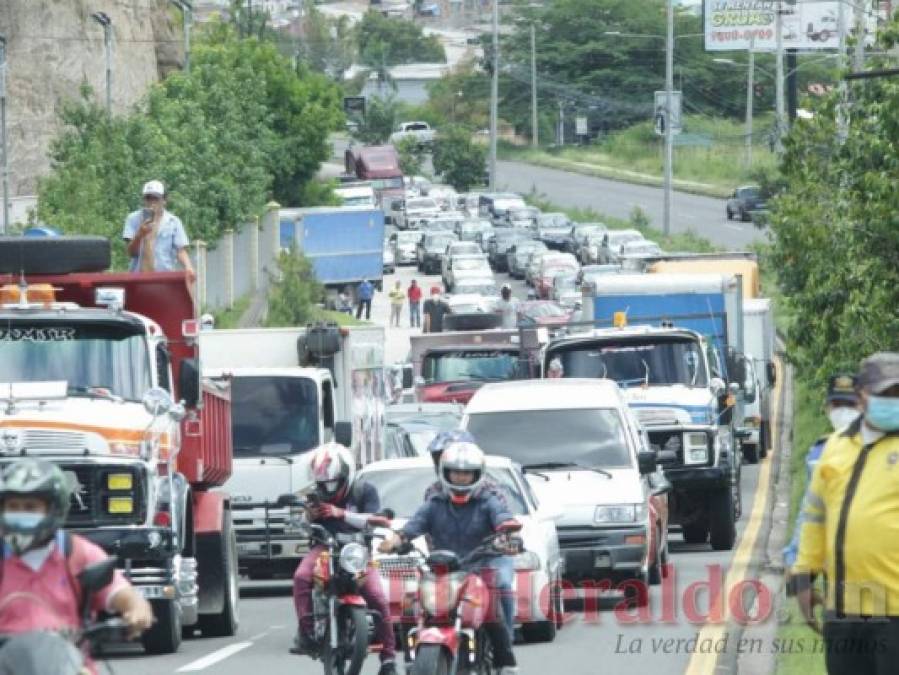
758,346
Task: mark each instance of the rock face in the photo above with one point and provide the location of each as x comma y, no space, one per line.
54,46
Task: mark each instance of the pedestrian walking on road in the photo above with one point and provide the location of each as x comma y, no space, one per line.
414,295
397,298
155,238
364,294
435,308
848,531
507,307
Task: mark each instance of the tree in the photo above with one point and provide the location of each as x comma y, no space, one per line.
380,120
460,161
294,293
835,232
389,42
329,44
412,156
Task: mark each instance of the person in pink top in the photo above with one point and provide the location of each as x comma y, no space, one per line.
39,589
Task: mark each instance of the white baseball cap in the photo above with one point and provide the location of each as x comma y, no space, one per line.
154,187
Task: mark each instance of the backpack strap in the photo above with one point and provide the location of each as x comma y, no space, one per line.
65,541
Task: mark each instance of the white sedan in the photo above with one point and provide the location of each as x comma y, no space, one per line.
401,484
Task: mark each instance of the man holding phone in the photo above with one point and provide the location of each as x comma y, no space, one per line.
155,238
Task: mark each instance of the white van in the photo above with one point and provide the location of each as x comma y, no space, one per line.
581,447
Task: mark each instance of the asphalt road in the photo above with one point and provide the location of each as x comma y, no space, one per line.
591,642
703,215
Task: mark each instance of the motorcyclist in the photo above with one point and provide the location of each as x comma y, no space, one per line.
436,447
343,507
459,518
40,564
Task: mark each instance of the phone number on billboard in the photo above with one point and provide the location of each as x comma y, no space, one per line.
741,35
731,18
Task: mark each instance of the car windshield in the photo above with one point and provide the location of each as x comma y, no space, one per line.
486,289
469,263
408,237
421,205
445,420
586,436
749,193
273,415
507,204
403,490
388,183
463,365
465,248
364,200
88,356
529,247
635,362
619,239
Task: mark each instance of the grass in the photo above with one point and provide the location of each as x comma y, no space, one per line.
340,318
229,318
636,155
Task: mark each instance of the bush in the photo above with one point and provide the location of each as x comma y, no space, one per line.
459,160
295,292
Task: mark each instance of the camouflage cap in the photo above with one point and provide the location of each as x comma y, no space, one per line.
879,372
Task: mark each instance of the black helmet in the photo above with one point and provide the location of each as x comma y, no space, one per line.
37,479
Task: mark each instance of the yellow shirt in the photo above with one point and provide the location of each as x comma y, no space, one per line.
850,524
397,296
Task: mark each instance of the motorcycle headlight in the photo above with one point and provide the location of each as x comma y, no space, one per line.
696,448
353,558
619,513
439,594
527,560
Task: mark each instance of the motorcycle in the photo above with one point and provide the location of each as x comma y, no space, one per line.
343,625
453,639
61,652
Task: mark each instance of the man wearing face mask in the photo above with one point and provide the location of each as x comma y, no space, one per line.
848,532
841,407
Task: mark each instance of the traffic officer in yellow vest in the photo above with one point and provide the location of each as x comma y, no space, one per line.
850,531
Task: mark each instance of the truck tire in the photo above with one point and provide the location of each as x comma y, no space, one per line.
764,439
54,255
224,623
751,452
164,636
722,521
696,533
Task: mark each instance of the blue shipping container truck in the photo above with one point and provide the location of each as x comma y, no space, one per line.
344,244
710,304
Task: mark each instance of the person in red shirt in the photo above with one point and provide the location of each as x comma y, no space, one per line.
414,295
39,590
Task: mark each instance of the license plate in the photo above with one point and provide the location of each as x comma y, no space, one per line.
249,548
602,560
151,592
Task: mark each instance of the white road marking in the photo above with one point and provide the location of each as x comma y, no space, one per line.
214,657
259,636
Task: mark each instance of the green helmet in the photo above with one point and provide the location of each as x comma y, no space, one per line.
41,480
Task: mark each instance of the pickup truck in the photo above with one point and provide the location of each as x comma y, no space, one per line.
419,131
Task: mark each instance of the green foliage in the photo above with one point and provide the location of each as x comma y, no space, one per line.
460,98
835,232
294,294
390,42
380,119
638,218
458,159
329,44
240,128
412,156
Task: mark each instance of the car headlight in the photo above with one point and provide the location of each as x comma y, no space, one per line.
353,558
619,513
696,448
527,560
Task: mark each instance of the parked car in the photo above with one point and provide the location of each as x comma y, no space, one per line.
466,267
445,416
457,248
566,290
744,201
469,230
605,250
468,203
579,444
550,268
579,233
500,243
409,438
520,255
542,313
415,211
401,485
431,250
405,244
632,254
554,231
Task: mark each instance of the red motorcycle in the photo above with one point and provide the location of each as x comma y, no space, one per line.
454,601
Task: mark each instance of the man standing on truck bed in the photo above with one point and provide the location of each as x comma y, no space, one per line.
155,238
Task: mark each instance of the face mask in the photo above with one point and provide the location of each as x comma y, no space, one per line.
842,417
19,529
883,413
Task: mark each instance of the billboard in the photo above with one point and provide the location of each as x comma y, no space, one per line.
808,25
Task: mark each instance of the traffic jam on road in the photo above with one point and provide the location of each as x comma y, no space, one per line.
617,394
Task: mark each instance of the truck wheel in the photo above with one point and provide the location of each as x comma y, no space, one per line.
224,623
539,631
696,533
722,523
54,255
164,636
636,592
764,439
751,453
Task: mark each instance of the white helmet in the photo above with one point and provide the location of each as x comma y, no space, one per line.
462,456
333,469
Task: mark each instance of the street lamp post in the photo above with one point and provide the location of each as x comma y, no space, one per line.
103,19
779,82
534,138
750,84
669,86
4,148
187,17
494,95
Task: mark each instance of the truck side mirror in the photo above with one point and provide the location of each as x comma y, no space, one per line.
408,377
646,461
771,372
343,433
189,382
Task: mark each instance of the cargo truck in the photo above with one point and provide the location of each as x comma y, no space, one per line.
380,165
759,347
293,389
99,374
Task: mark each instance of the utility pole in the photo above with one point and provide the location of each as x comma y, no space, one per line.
534,137
842,109
858,60
779,79
105,22
669,109
494,95
187,19
750,85
4,148
561,123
